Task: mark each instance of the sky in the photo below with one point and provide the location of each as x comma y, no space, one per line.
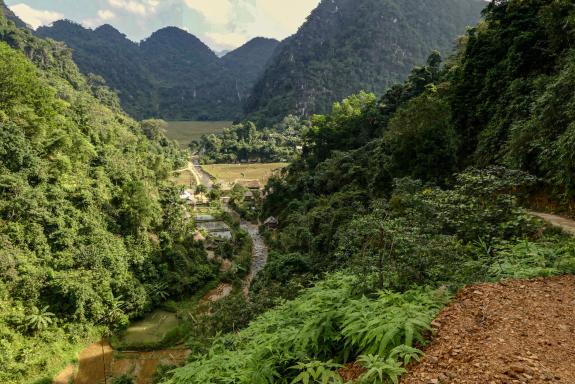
221,24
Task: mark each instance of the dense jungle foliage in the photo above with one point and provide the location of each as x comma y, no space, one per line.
91,231
245,143
170,75
347,46
397,201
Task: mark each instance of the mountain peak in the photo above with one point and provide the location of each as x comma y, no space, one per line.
109,30
178,41
172,32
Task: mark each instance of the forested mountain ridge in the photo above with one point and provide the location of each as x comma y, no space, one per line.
171,74
348,45
92,233
94,51
8,14
249,61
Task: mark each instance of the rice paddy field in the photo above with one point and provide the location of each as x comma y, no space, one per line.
150,330
184,132
229,173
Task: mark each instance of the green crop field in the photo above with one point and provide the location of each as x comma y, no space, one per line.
149,331
184,132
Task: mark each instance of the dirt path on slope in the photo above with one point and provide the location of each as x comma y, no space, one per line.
95,363
557,221
511,332
202,176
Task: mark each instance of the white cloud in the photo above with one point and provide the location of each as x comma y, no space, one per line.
227,23
224,41
233,22
35,17
288,16
217,12
106,14
138,7
275,18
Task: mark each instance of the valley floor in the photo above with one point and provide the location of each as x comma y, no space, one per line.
99,362
511,332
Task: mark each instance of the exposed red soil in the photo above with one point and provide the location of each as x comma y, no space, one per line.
142,365
512,332
351,371
95,363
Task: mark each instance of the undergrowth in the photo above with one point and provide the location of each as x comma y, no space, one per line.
309,337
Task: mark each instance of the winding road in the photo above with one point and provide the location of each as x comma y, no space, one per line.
566,225
259,255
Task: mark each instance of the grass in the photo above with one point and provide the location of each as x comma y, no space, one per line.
229,173
150,330
161,328
184,132
185,179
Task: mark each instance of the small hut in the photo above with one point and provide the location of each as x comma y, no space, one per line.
271,223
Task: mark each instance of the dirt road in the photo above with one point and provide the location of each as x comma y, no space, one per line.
557,221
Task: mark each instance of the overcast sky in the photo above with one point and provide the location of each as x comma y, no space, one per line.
222,24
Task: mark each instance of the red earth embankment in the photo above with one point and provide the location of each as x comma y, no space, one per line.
512,332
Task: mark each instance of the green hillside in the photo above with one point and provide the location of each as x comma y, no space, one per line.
347,46
91,231
170,75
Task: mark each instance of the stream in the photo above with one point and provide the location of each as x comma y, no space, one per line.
98,362
259,254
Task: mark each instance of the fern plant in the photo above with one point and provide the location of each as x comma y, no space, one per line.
291,343
377,327
405,353
317,372
380,370
39,319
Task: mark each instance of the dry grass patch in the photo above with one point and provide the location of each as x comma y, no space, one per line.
230,173
185,178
